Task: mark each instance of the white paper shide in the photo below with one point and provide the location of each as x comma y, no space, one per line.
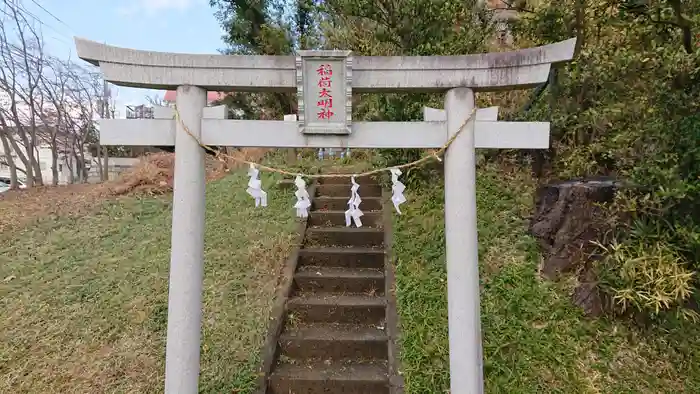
255,187
303,202
353,213
397,189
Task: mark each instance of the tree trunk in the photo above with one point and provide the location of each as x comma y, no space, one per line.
38,176
78,167
580,26
30,165
98,152
10,161
68,162
21,132
20,154
83,168
105,166
54,164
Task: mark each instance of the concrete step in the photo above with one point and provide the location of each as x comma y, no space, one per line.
339,280
322,378
334,342
341,203
347,309
337,218
341,257
346,181
343,190
344,236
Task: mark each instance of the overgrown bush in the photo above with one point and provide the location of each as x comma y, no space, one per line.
629,106
646,277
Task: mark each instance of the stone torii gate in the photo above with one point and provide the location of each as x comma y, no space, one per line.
324,82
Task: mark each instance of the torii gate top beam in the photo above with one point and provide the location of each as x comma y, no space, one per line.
481,72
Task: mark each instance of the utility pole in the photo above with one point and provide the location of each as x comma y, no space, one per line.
99,146
105,115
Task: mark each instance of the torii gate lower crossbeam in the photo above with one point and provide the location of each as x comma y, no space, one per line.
458,76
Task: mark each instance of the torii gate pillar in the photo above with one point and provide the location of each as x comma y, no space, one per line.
464,318
187,250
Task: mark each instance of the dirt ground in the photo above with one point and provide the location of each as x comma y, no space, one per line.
153,176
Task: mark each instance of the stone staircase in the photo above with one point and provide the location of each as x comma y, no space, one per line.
339,320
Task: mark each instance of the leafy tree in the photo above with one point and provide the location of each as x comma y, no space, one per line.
265,27
404,27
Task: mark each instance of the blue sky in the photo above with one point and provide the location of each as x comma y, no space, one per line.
159,25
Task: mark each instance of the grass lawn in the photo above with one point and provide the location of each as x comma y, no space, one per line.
84,299
535,341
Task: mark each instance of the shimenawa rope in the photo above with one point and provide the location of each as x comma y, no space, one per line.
434,155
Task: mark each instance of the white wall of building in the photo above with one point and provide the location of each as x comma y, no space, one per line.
67,165
43,155
44,158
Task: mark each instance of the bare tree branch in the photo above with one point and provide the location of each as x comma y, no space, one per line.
47,102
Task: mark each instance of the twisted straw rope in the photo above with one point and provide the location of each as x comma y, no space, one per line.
434,155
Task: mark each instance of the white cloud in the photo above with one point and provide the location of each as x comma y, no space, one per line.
151,7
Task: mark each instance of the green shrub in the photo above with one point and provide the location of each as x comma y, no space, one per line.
629,106
646,278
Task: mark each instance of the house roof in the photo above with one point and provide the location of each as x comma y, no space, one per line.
211,96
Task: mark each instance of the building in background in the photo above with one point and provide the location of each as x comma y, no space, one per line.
67,164
139,112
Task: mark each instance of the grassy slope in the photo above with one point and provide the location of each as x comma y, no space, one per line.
534,340
84,300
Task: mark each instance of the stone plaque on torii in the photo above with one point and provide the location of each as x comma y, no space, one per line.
324,82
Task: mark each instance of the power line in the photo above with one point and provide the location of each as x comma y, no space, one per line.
20,13
52,15
21,10
41,22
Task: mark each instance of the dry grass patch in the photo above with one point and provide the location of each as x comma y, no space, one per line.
152,176
22,207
